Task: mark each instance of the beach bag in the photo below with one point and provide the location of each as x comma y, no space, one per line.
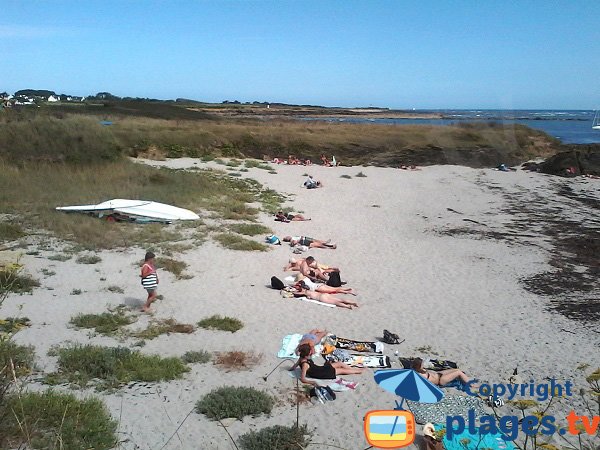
272,239
390,338
276,283
334,279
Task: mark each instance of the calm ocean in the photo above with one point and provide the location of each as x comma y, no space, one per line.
571,127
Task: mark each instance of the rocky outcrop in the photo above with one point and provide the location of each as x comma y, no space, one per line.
583,159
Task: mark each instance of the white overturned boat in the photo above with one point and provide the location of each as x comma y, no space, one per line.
134,211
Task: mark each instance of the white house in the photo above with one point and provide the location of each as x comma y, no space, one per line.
52,98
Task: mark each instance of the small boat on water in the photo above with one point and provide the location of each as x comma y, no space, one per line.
139,211
596,122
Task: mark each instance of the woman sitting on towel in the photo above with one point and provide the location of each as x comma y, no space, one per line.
325,298
328,371
439,378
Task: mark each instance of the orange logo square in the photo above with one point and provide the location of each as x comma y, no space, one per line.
389,428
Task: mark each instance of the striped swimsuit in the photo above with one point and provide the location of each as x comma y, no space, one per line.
150,281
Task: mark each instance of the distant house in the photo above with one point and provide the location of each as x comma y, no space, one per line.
52,98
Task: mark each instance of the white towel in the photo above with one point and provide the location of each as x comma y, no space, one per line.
305,299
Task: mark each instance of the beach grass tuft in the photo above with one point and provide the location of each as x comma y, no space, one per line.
111,367
175,266
163,326
76,291
237,360
217,322
196,357
107,323
62,257
348,177
277,437
249,229
12,325
115,289
360,175
10,232
238,402
54,420
235,242
88,259
12,279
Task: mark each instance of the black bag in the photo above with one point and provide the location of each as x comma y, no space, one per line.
276,283
334,279
390,338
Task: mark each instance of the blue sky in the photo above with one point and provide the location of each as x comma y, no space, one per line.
400,54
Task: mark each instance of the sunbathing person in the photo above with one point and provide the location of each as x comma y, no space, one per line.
308,242
288,217
306,283
309,271
294,266
312,338
439,378
328,371
311,183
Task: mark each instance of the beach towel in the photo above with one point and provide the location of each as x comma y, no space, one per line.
468,441
373,362
305,299
450,405
359,346
289,345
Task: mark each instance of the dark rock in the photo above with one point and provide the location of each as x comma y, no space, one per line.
576,160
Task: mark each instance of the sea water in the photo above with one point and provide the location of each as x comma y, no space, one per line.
570,126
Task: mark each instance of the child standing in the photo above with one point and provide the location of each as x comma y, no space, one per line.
149,279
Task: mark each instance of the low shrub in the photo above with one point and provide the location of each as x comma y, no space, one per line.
10,232
53,420
277,437
360,175
346,176
237,360
13,280
164,326
11,325
236,242
174,266
249,229
107,323
76,292
115,289
112,366
18,356
88,259
217,322
196,357
59,257
238,402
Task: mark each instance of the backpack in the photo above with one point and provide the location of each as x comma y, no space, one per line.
276,283
272,239
390,338
334,279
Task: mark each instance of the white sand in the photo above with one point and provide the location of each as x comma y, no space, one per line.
458,295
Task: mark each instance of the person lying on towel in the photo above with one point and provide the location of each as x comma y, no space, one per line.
439,378
325,298
328,371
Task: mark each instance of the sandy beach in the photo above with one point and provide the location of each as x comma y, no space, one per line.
452,288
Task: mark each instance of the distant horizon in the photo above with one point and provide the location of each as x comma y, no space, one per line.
296,104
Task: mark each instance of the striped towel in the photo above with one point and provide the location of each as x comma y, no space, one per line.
150,281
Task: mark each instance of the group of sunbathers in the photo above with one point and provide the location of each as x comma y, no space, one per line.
311,283
294,161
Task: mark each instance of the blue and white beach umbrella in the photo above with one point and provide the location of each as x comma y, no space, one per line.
408,384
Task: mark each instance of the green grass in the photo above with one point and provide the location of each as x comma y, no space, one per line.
174,266
164,326
52,420
108,323
12,325
237,402
59,257
196,357
88,259
233,163
112,366
19,357
249,229
12,279
10,232
236,242
217,322
277,437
